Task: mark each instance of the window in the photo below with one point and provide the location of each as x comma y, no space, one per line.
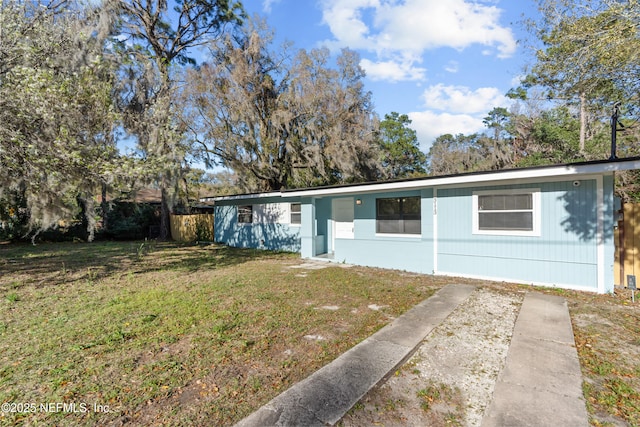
296,213
398,215
245,214
513,212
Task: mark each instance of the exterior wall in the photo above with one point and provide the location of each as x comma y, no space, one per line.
377,250
609,223
574,247
270,228
566,253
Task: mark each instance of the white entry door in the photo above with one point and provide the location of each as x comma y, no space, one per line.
342,216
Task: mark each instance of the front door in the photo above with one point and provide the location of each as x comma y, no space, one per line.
342,219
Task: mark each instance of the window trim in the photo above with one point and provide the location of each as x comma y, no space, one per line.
399,234
291,223
535,210
238,215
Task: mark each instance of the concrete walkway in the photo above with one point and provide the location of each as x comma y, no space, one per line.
541,384
325,396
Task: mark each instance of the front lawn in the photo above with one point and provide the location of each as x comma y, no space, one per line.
151,334
168,334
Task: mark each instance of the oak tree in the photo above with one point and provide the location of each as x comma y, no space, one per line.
281,119
156,39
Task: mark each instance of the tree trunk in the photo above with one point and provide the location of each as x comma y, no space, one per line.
165,220
583,121
105,209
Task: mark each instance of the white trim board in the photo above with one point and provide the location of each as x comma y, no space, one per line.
512,176
519,282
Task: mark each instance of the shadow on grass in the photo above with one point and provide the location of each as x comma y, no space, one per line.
57,263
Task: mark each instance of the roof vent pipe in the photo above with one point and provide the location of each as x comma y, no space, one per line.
614,129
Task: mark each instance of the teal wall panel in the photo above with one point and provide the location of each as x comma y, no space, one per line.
393,253
378,250
271,236
565,253
568,251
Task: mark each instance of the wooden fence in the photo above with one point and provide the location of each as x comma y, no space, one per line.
627,240
192,228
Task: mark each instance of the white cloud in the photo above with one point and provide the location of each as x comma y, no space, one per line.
454,110
452,67
517,80
429,125
267,4
392,71
402,32
344,18
426,24
461,99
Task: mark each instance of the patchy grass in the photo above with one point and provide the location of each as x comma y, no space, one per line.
443,402
165,334
607,334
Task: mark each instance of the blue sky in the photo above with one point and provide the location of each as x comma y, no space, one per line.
444,63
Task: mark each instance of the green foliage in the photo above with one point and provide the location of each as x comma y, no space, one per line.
452,154
401,155
14,217
589,47
204,233
56,115
556,139
131,221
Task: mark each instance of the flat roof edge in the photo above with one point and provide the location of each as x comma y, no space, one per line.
547,171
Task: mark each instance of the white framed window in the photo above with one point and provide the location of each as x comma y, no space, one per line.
245,214
514,212
296,214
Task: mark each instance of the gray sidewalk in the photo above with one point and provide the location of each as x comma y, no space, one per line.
541,384
325,396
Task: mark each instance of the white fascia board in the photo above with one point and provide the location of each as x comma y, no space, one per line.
248,196
499,177
512,175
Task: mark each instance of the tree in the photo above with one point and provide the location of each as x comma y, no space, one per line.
56,113
589,46
480,151
496,150
554,138
589,57
159,39
282,120
451,154
401,155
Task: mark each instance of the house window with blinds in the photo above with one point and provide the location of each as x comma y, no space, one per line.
245,214
398,215
507,212
296,214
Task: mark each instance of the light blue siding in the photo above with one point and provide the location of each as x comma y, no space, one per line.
308,230
565,253
609,223
574,247
260,235
379,250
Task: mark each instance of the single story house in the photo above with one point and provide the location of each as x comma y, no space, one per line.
549,225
